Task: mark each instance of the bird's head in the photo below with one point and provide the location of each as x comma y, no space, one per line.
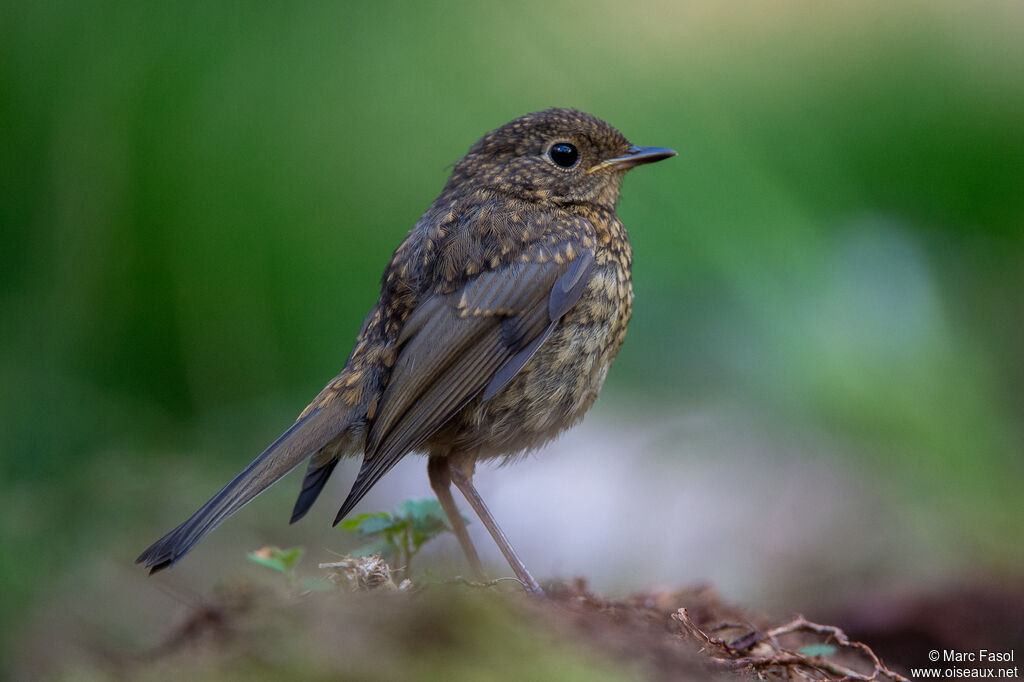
561,156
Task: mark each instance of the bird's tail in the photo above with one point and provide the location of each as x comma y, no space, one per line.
307,435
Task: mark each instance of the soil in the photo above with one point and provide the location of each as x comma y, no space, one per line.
364,626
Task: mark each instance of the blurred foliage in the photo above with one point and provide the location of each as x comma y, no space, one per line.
197,199
277,559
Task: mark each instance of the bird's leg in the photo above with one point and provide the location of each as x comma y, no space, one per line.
441,481
461,472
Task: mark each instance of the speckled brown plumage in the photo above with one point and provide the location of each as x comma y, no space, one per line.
498,318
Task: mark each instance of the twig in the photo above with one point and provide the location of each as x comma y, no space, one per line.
459,580
796,663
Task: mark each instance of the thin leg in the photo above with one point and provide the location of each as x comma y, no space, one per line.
461,473
441,481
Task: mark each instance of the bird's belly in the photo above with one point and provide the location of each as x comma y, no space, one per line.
557,386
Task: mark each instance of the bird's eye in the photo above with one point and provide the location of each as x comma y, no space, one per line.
564,154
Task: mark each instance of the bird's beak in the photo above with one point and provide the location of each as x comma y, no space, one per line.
634,157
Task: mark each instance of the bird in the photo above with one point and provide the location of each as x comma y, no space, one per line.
498,318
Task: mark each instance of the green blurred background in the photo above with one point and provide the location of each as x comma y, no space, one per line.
197,200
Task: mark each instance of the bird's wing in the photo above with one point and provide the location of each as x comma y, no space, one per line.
456,346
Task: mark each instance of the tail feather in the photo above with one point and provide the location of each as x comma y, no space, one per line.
312,485
307,435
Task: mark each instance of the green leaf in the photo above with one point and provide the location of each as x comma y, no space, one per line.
427,517
817,650
291,557
354,522
382,524
268,562
422,520
277,559
426,529
420,509
369,523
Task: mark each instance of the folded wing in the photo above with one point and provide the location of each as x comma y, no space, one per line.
459,345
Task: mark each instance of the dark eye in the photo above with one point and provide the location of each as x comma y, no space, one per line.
564,154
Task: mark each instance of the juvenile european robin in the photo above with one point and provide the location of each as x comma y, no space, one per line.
499,315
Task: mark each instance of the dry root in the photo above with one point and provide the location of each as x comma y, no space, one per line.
764,653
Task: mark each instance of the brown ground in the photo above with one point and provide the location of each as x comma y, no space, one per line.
367,628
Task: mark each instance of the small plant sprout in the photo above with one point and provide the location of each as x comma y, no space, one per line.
285,561
277,559
399,536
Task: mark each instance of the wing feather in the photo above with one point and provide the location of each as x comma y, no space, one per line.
455,346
